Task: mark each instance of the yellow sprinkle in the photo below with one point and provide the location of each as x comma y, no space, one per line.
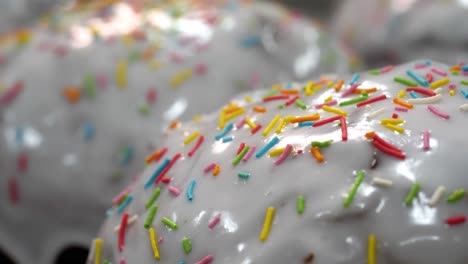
276,152
276,87
317,87
392,121
270,213
154,243
329,98
127,40
330,84
155,65
197,118
334,110
402,94
190,138
235,114
308,88
371,248
251,124
279,129
222,120
121,74
452,92
271,125
98,247
179,78
248,99
395,128
439,83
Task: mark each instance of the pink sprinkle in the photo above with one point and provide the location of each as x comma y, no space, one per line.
13,190
176,58
214,221
122,260
135,178
151,95
401,109
121,195
60,51
22,162
437,112
11,94
160,240
102,81
386,69
209,167
462,62
3,59
240,123
332,102
249,154
254,79
174,190
425,135
200,69
452,86
465,73
199,47
420,66
350,90
206,260
439,72
284,155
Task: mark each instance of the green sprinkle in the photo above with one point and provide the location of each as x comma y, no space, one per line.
153,198
301,104
107,261
300,204
187,245
244,175
169,223
271,93
133,56
353,101
456,196
374,72
117,175
90,86
281,106
456,73
122,200
464,82
150,217
144,109
240,156
352,192
364,93
405,81
321,144
414,190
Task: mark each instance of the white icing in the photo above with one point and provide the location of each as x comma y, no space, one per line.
69,180
414,233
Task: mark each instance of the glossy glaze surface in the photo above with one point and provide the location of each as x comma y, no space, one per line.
63,160
407,230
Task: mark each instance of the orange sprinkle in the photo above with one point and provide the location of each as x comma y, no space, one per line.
259,109
72,94
402,103
370,134
290,91
370,90
216,170
148,54
317,155
339,85
455,68
231,109
174,124
299,119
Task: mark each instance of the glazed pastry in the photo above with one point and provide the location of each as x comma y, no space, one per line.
364,169
396,31
92,90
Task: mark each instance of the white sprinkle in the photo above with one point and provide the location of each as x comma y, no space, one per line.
376,113
381,182
131,220
92,251
426,100
436,196
463,107
438,90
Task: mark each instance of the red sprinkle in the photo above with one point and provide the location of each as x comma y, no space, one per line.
241,147
344,129
420,90
326,121
194,149
429,77
292,100
456,220
385,143
275,97
372,100
168,167
166,180
389,151
123,226
22,162
255,129
151,95
395,115
13,191
11,94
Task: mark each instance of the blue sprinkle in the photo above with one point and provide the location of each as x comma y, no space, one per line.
156,173
124,204
244,175
109,212
288,86
88,130
182,262
354,79
413,94
465,68
428,63
418,78
267,147
127,155
190,190
225,131
307,123
227,139
464,93
250,41
19,135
